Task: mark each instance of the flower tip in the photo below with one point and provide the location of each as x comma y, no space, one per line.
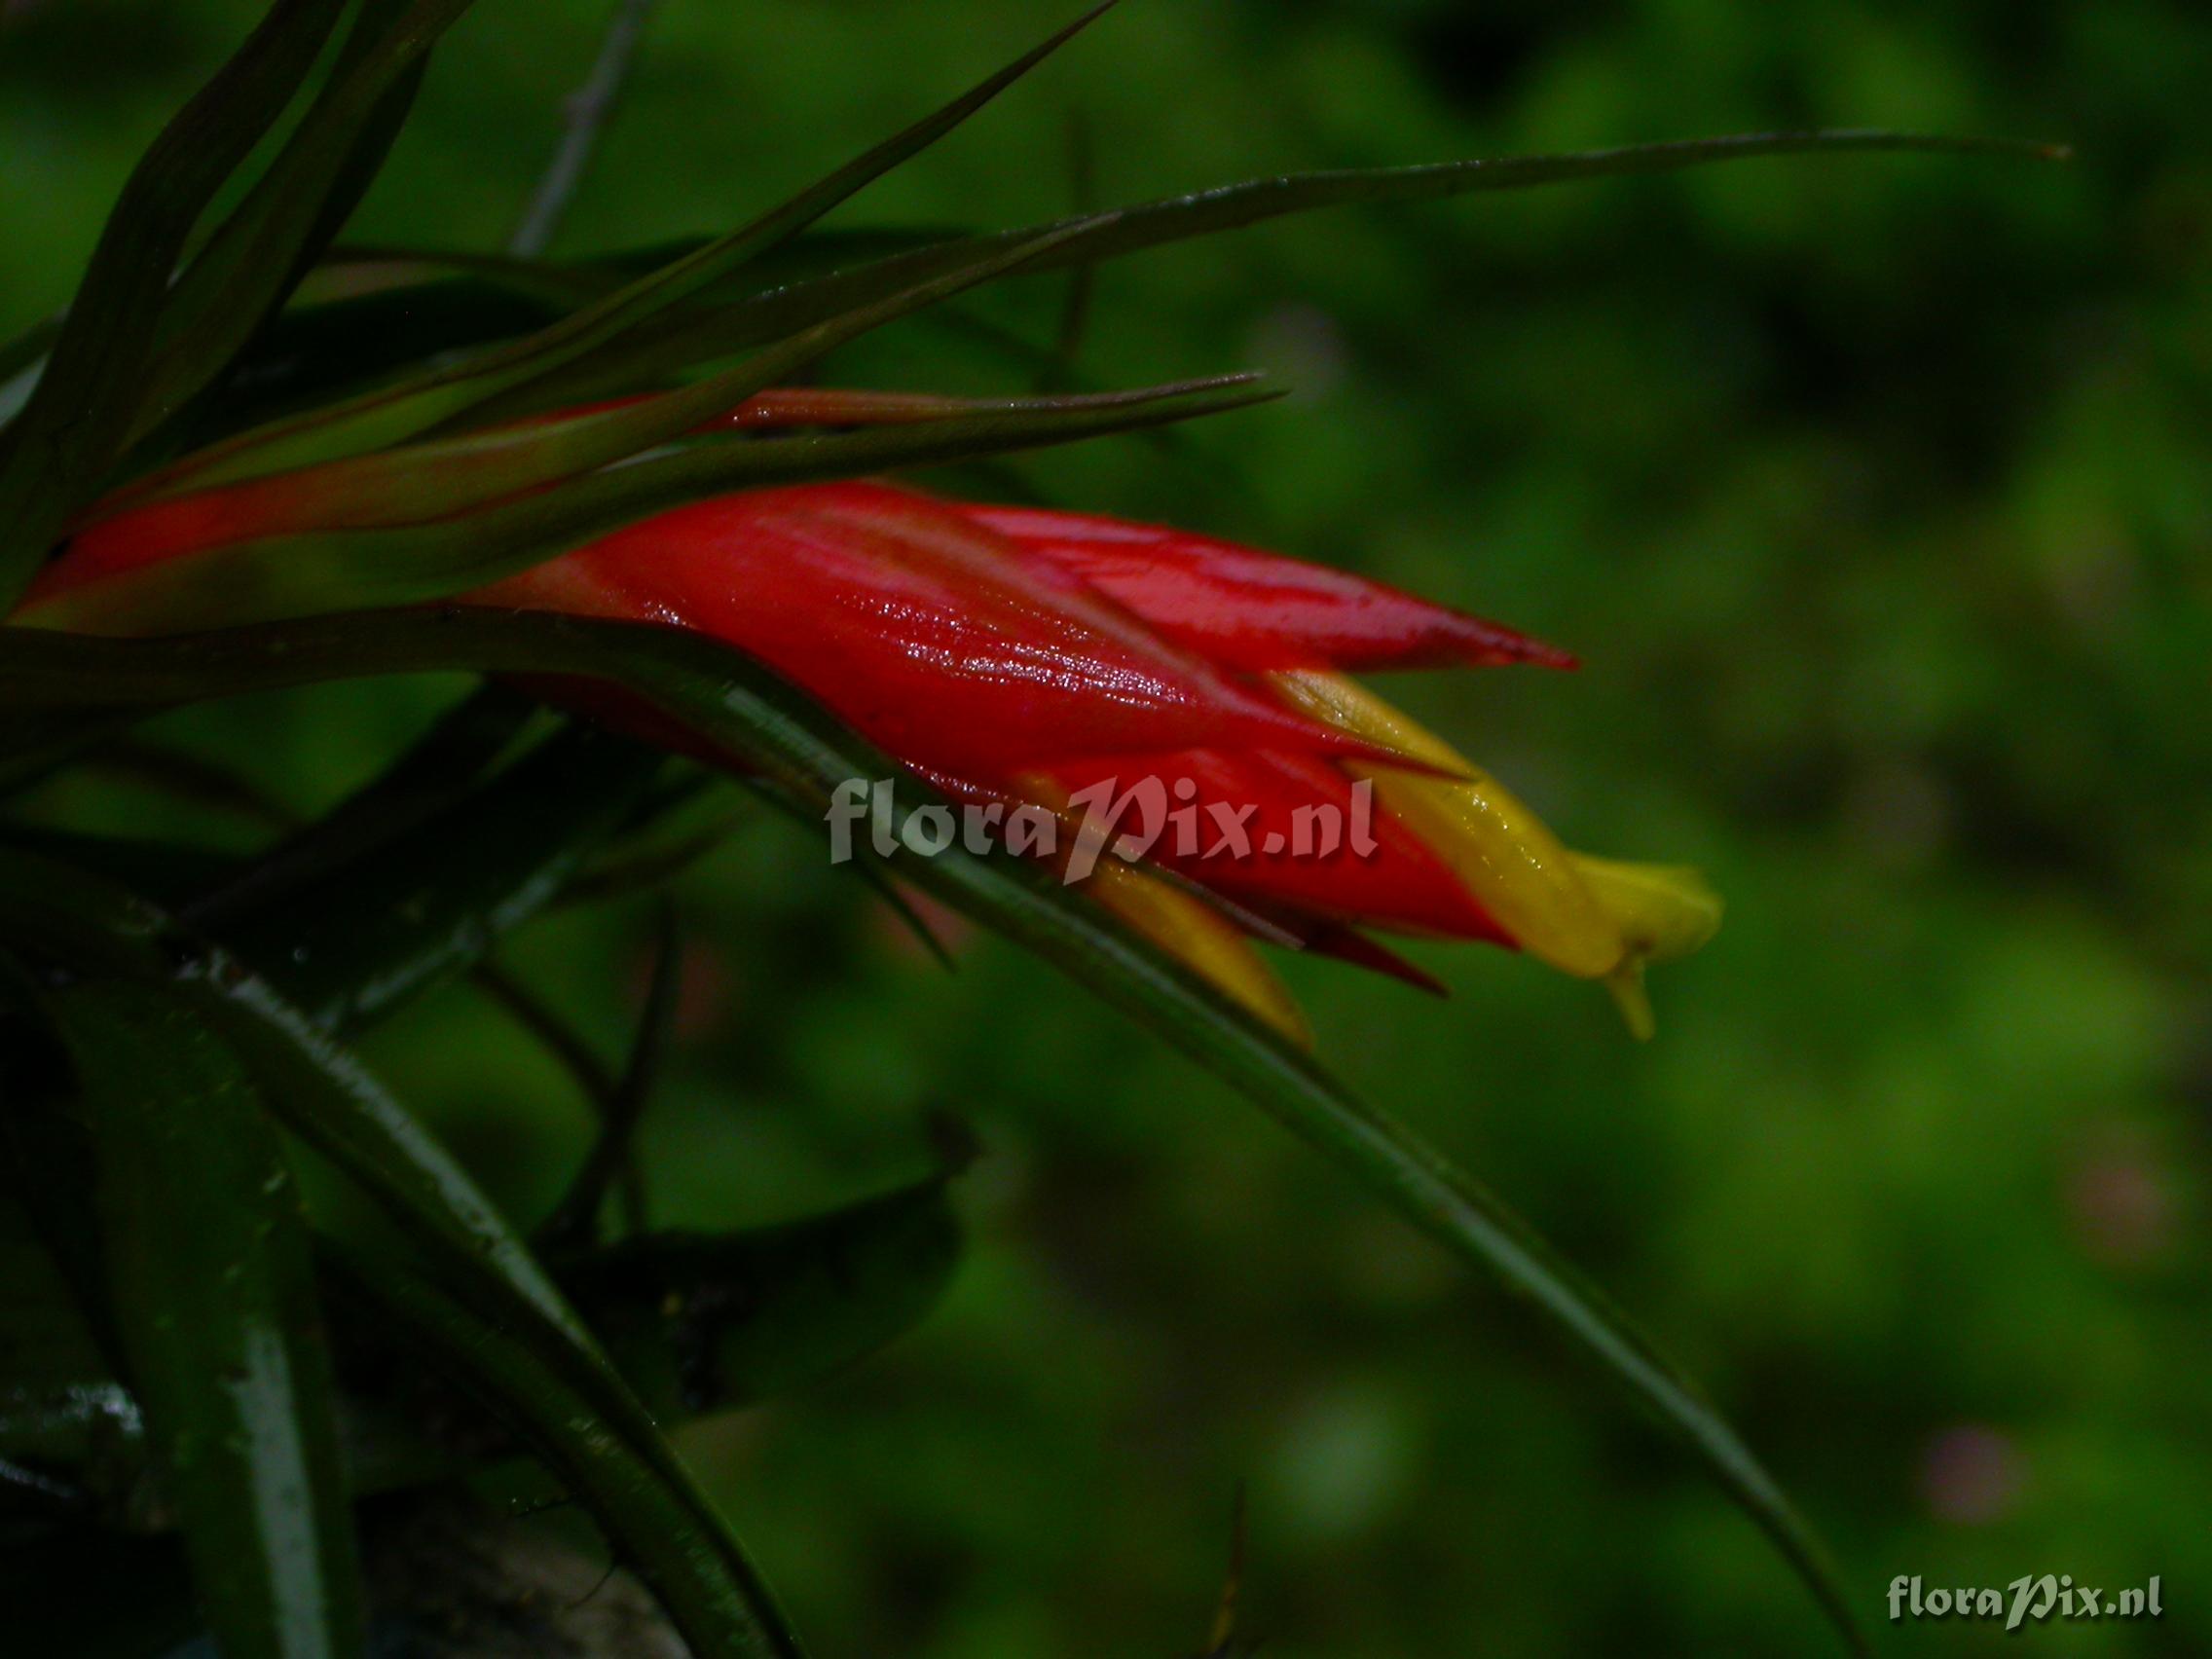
1633,998
1350,944
1471,642
1664,912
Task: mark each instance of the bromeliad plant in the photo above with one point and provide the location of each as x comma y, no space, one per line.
597,486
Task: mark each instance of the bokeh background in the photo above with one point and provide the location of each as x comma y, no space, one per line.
1876,493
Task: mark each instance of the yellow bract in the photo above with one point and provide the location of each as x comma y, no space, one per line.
1203,938
1187,928
1595,918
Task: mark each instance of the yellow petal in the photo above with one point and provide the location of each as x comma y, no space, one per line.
1187,928
1596,918
1202,940
1508,860
1664,912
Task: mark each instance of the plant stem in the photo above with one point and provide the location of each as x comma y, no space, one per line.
584,118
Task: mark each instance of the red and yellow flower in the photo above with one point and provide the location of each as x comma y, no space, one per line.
1024,657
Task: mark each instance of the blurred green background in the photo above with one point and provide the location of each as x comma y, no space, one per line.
1877,496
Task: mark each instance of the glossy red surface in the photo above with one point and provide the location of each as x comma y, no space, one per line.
1254,610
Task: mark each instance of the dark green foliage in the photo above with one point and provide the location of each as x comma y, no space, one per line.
160,1182
225,978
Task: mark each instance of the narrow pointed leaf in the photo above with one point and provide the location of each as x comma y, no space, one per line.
310,355
698,1322
780,732
319,1090
22,361
360,270
673,342
63,1400
30,347
492,1314
574,1221
79,416
615,1462
395,414
204,1275
372,22
352,938
430,776
256,255
709,1321
434,480
573,284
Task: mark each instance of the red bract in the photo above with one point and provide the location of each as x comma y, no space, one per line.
1051,660
925,632
1255,612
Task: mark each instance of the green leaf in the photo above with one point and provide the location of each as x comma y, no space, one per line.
675,342
351,931
256,255
603,1447
319,1090
763,721
379,133
572,284
697,1322
686,819
395,414
415,877
61,1404
291,575
311,355
494,1315
188,1231
371,270
22,361
78,419
164,870
709,1321
431,776
621,1102
30,347
420,482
